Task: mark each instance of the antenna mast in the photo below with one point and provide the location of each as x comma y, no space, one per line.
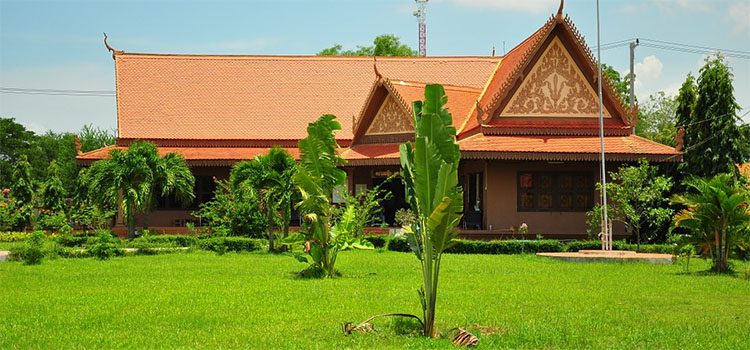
421,19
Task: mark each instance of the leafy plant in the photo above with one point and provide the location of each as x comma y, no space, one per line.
429,169
104,245
131,178
270,176
32,251
367,206
53,191
717,215
637,199
317,174
233,211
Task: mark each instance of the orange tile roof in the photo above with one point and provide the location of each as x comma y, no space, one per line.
632,147
262,97
193,154
460,99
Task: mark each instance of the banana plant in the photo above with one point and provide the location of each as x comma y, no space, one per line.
429,169
317,175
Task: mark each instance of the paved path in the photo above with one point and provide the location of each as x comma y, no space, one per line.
4,255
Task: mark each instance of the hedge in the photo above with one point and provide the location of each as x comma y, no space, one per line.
231,244
6,237
523,246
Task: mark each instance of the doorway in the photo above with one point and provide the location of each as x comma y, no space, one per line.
395,186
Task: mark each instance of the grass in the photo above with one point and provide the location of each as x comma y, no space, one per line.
201,300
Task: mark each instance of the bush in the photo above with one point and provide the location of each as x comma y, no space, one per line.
51,221
231,244
379,241
104,246
9,237
32,252
165,240
235,211
525,246
69,240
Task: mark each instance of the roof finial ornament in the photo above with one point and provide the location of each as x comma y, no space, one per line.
110,48
560,10
375,66
480,112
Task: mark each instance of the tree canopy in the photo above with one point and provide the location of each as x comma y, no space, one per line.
383,45
715,141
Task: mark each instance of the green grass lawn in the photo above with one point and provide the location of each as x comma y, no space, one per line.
201,300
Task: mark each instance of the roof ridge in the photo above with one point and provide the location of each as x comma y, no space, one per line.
454,86
312,57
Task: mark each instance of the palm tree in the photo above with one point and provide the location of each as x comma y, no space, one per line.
130,178
270,176
717,214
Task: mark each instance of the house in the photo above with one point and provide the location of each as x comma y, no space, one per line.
527,122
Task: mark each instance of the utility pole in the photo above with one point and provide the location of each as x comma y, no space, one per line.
421,15
606,232
632,72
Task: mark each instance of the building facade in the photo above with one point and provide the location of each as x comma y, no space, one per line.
527,122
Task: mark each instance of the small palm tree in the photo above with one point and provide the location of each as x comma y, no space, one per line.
717,214
130,178
270,176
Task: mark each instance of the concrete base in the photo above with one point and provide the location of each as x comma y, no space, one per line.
611,255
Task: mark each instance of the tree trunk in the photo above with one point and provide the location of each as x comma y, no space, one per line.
131,222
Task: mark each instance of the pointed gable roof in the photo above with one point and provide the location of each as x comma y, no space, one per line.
514,69
402,93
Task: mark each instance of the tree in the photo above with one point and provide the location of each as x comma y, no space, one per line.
15,140
383,45
270,176
172,177
638,196
715,141
53,192
717,215
656,119
429,168
130,178
92,138
22,187
621,85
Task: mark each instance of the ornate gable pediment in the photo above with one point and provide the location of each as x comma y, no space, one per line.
554,87
391,119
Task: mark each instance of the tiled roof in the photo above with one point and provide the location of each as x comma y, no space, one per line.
262,97
629,147
460,99
194,155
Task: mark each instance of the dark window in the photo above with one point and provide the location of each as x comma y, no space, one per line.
204,192
555,191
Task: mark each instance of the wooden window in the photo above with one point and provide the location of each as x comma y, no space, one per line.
555,191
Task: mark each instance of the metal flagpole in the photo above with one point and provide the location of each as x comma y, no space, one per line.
606,239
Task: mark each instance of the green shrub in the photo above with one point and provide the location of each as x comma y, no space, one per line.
9,237
104,246
170,240
31,252
379,241
505,247
69,240
51,221
398,245
231,244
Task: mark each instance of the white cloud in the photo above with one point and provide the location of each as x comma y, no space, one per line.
511,5
739,15
647,74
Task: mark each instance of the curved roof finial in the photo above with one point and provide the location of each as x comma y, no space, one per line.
110,48
375,66
560,10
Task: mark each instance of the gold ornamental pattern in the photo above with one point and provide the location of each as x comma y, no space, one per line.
555,87
391,119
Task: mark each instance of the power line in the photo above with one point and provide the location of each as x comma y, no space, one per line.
680,47
697,46
57,92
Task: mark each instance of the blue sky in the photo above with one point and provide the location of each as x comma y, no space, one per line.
58,44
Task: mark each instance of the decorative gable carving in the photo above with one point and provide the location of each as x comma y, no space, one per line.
555,86
391,119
